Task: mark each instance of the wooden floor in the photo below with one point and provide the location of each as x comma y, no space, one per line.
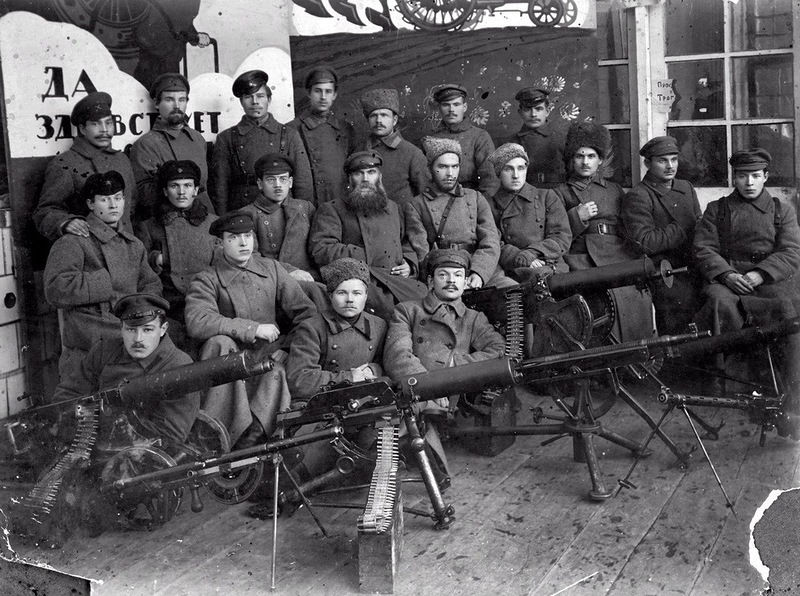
524,527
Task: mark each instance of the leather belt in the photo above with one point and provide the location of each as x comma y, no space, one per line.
602,228
754,256
470,248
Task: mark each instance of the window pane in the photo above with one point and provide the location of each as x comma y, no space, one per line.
762,87
613,103
703,160
778,139
762,25
612,32
621,164
694,27
699,87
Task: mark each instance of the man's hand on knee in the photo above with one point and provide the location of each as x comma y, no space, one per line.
738,283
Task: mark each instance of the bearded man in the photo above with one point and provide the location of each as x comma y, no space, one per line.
365,225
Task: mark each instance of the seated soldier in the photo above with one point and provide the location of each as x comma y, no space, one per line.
533,224
439,331
364,224
141,346
598,236
343,344
747,248
448,215
237,303
177,240
86,275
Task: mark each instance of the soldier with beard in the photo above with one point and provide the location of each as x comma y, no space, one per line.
365,225
169,139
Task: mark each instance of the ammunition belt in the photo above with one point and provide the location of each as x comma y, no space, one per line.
378,512
43,496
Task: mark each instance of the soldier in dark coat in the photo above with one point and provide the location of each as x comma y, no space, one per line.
598,236
328,139
170,138
405,169
543,144
236,150
85,276
177,240
439,331
476,144
533,224
365,225
140,347
61,210
660,215
448,215
240,302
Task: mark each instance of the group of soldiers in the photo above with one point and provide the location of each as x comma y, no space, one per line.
344,261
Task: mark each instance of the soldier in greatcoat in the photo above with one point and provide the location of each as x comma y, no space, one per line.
476,144
449,215
327,138
61,210
598,235
170,138
236,150
533,224
439,331
85,275
245,301
405,169
660,215
365,225
177,239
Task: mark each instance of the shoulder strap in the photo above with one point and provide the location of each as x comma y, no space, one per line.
443,221
282,144
724,227
235,147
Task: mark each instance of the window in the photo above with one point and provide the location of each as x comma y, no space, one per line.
733,72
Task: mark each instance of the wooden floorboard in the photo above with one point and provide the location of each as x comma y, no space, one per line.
524,526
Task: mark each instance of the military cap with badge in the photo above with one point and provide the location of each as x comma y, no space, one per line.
249,82
95,106
140,309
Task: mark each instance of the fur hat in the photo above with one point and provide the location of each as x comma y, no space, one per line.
435,147
505,153
341,270
376,99
587,134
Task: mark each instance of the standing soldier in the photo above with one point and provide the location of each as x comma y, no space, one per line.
328,139
405,170
660,214
476,144
234,181
60,210
544,146
169,139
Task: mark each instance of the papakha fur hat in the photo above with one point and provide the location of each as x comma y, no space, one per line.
435,147
587,134
341,270
505,153
377,99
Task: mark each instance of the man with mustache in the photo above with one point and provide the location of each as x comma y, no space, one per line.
60,210
660,215
365,225
449,215
328,139
86,275
439,331
236,150
476,144
169,139
405,170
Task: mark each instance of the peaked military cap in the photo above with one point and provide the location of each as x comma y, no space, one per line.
104,184
343,269
273,163
138,309
321,74
447,257
530,96
94,106
361,160
751,160
658,146
170,81
234,222
448,91
178,170
250,82
377,99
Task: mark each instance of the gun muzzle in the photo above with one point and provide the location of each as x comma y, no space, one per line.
740,339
